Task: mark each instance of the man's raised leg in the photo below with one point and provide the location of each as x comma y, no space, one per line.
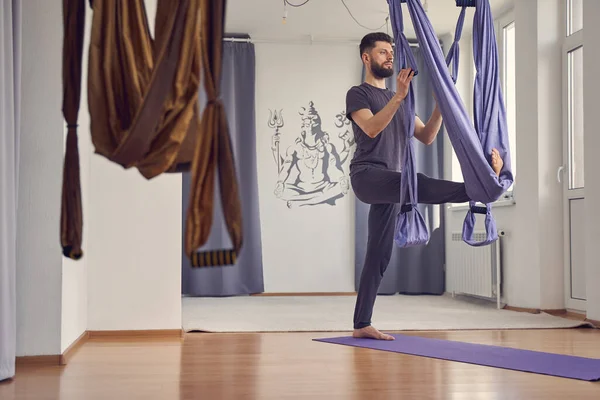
439,191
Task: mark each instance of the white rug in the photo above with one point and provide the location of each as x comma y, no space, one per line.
334,313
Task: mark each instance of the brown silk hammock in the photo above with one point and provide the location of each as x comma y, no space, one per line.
143,103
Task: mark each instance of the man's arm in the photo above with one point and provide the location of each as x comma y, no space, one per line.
426,133
371,124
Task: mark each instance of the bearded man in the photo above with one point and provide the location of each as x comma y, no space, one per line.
375,170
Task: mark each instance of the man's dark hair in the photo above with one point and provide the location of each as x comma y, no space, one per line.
368,41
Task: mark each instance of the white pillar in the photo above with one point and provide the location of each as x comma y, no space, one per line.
39,257
537,282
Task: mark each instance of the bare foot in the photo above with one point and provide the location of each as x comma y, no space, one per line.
371,333
497,162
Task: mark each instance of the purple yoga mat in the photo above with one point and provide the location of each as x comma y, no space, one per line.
565,366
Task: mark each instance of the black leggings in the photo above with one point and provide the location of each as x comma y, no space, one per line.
381,189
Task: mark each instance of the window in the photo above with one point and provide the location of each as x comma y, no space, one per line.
574,16
575,117
508,70
505,36
573,54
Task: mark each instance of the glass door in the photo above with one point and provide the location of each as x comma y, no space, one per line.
571,173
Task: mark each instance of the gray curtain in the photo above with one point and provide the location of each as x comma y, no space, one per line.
416,270
10,72
246,276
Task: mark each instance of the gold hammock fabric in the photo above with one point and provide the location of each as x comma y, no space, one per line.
143,103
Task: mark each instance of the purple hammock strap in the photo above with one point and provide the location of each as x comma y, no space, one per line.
470,218
454,52
472,144
410,227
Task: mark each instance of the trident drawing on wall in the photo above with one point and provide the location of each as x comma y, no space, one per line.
276,122
310,171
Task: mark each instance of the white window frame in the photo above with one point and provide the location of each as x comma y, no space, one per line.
499,24
508,198
570,43
568,8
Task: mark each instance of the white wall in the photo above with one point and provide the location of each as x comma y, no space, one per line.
535,280
550,145
134,246
39,256
288,77
130,275
52,290
134,253
591,66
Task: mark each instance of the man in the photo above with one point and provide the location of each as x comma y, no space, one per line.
375,170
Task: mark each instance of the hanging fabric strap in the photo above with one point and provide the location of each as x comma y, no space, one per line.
215,138
472,144
454,52
143,102
470,219
410,227
489,113
143,91
71,214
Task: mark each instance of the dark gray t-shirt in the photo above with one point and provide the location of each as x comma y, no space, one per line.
386,149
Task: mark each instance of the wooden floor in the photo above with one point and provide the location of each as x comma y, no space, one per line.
291,365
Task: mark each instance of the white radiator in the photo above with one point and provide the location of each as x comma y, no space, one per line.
474,270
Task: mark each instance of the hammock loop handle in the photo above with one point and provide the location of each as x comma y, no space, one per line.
491,232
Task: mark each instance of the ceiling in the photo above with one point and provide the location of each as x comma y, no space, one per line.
330,19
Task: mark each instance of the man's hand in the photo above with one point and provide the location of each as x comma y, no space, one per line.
403,82
371,124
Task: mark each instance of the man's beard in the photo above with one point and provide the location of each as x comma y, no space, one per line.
381,72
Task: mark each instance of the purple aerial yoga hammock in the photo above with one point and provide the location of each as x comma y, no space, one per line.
472,144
